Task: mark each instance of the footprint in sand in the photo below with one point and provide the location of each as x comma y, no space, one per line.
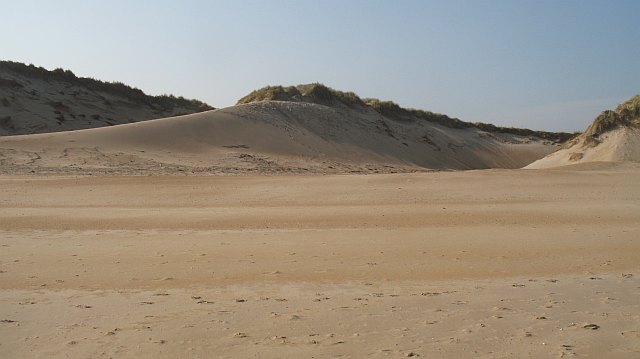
112,332
566,349
202,301
282,339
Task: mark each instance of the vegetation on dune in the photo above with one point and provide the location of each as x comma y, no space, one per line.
606,121
626,114
321,94
315,93
272,93
394,111
164,102
551,136
630,108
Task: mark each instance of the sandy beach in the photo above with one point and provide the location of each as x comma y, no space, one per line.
493,264
305,179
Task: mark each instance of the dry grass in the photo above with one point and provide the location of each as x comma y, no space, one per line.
165,102
324,95
626,114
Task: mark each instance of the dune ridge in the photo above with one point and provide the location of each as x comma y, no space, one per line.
36,100
308,128
321,94
271,137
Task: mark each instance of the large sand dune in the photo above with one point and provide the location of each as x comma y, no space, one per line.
270,136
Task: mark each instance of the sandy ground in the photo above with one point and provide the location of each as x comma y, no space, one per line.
490,264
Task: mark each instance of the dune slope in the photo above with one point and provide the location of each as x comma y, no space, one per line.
271,136
35,100
614,136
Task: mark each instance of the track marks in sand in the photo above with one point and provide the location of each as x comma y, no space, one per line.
456,318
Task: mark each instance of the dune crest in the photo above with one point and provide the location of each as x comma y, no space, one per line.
36,100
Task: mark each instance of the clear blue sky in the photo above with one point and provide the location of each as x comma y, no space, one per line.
540,64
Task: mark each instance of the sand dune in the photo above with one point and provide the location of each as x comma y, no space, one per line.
270,137
614,136
35,100
619,145
304,129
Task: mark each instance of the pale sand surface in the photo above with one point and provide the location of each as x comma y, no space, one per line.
494,264
268,138
619,145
